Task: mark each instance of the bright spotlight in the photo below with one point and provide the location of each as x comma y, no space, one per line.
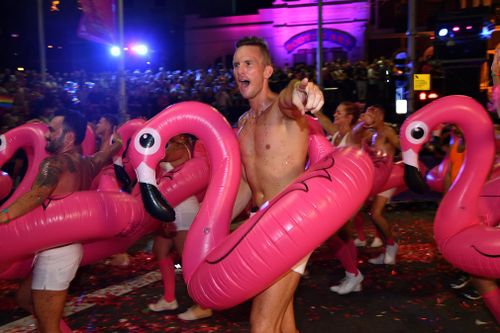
140,49
115,51
443,32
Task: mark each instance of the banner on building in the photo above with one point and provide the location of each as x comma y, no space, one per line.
98,22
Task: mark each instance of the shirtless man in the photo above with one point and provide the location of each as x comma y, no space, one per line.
104,129
273,137
44,292
381,142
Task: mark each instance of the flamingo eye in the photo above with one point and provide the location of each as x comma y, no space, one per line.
147,141
3,142
417,132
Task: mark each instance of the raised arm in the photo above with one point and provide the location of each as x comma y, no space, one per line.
101,158
48,177
325,122
300,97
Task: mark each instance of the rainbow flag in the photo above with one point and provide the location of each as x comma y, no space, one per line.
6,101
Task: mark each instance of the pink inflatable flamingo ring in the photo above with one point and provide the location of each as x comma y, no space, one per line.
463,236
223,269
29,137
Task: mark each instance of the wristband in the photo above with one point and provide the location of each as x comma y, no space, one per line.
6,212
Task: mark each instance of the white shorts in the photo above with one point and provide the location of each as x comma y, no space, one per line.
55,268
388,193
185,212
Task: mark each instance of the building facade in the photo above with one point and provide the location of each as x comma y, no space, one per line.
290,28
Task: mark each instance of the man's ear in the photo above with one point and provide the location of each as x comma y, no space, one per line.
268,71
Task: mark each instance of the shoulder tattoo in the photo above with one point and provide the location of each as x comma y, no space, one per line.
50,171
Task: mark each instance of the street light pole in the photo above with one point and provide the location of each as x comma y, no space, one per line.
122,97
41,41
410,35
319,49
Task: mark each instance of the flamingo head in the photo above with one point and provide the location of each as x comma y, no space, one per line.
30,136
146,150
126,131
414,133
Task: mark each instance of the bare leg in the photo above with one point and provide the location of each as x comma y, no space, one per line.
48,306
376,213
490,293
23,295
272,311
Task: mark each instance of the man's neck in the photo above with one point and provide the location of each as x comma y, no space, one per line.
260,105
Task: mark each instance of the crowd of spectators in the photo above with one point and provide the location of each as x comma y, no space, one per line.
149,92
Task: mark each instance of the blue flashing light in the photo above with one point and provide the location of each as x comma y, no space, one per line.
486,32
115,51
443,32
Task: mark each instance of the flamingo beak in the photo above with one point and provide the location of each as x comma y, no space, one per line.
122,176
414,179
155,203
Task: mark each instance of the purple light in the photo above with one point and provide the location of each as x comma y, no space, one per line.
140,49
469,27
456,29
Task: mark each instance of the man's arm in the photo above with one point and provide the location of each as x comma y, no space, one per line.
300,97
48,177
326,123
101,158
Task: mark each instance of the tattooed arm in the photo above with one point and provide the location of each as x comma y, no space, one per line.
48,177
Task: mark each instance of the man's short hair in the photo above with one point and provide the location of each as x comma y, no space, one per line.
379,107
75,122
260,43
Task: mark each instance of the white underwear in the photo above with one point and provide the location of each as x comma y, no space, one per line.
388,193
54,269
300,267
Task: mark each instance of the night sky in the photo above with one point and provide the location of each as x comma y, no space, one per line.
157,22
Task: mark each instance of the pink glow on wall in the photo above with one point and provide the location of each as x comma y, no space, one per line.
209,39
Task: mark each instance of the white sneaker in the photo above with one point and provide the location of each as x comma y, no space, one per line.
390,254
387,258
379,260
163,305
195,312
336,287
377,242
351,283
359,243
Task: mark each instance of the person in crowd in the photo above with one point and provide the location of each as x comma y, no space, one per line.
44,291
345,117
273,138
177,152
381,142
104,129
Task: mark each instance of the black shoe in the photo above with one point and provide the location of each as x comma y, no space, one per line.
471,294
460,282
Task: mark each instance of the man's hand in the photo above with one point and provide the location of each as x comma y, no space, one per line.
307,97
